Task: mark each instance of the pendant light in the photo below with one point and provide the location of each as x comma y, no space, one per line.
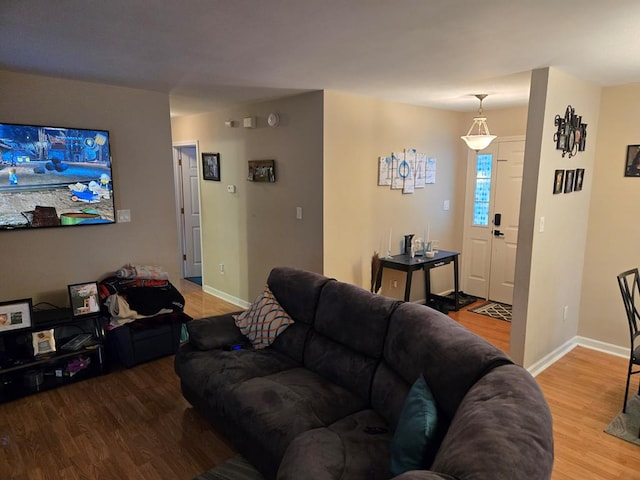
480,140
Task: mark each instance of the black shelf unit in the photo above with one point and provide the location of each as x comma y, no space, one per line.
23,373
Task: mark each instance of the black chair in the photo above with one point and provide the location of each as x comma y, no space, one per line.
629,283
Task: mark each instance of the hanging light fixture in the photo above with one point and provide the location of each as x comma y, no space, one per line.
482,139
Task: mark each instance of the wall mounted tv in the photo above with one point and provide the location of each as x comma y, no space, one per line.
54,176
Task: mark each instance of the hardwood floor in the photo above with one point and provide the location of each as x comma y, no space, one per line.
134,423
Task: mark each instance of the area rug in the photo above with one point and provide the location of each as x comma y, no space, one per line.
497,310
627,425
236,468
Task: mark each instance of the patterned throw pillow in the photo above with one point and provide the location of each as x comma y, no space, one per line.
264,320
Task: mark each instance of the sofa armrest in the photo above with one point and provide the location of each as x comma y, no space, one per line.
215,332
423,475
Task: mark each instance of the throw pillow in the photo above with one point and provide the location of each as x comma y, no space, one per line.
264,320
415,441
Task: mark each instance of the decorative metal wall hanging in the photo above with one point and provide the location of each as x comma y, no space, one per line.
571,136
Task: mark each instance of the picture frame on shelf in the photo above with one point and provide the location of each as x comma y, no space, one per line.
211,166
15,314
558,182
43,342
632,165
84,299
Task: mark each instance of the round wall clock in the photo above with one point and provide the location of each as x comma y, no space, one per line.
273,120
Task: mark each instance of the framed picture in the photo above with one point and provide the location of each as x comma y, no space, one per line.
568,181
84,299
43,342
211,166
632,167
15,315
262,171
558,182
579,179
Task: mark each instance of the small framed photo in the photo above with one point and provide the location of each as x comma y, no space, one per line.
211,166
558,182
262,171
15,315
84,299
579,179
632,167
568,181
43,342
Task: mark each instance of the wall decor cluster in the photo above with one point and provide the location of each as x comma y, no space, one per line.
211,166
262,171
568,181
406,170
632,166
571,136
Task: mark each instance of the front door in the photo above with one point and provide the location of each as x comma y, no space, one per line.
494,183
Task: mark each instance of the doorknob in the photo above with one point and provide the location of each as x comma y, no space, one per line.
498,233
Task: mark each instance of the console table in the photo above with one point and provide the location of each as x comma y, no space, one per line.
407,264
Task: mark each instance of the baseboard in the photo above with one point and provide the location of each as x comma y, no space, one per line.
551,358
226,297
565,348
604,347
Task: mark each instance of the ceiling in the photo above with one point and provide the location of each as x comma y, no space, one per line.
208,54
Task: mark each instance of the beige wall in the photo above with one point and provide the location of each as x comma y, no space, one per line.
358,214
614,229
255,229
40,264
549,264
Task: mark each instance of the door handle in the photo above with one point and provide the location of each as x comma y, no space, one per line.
497,233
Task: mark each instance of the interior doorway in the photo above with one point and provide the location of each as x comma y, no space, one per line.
185,157
492,210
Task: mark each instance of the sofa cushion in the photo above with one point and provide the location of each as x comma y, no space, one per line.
353,448
264,320
415,441
502,421
451,358
214,332
277,408
210,373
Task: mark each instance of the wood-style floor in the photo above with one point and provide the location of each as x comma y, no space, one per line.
134,423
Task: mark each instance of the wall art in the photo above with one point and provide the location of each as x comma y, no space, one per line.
558,182
568,181
579,179
211,166
571,133
262,171
632,167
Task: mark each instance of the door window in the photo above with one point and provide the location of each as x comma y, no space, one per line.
482,190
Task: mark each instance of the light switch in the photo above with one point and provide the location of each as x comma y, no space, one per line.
445,205
299,213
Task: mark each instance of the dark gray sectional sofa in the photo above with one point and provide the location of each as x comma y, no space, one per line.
323,401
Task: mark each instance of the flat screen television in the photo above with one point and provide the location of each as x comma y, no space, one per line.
54,176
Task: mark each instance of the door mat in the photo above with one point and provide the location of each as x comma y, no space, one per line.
236,468
196,280
627,425
501,311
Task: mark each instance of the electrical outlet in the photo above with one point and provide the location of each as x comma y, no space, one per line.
123,216
394,283
565,312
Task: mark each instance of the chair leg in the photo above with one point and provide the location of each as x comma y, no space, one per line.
626,391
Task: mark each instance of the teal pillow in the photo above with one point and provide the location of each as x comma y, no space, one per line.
415,443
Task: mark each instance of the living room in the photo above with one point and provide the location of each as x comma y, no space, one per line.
326,149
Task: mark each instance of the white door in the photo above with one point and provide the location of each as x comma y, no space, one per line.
494,183
506,212
187,159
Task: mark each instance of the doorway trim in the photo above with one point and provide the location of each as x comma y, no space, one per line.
177,186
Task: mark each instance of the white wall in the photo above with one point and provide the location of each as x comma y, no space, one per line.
255,229
41,263
549,265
